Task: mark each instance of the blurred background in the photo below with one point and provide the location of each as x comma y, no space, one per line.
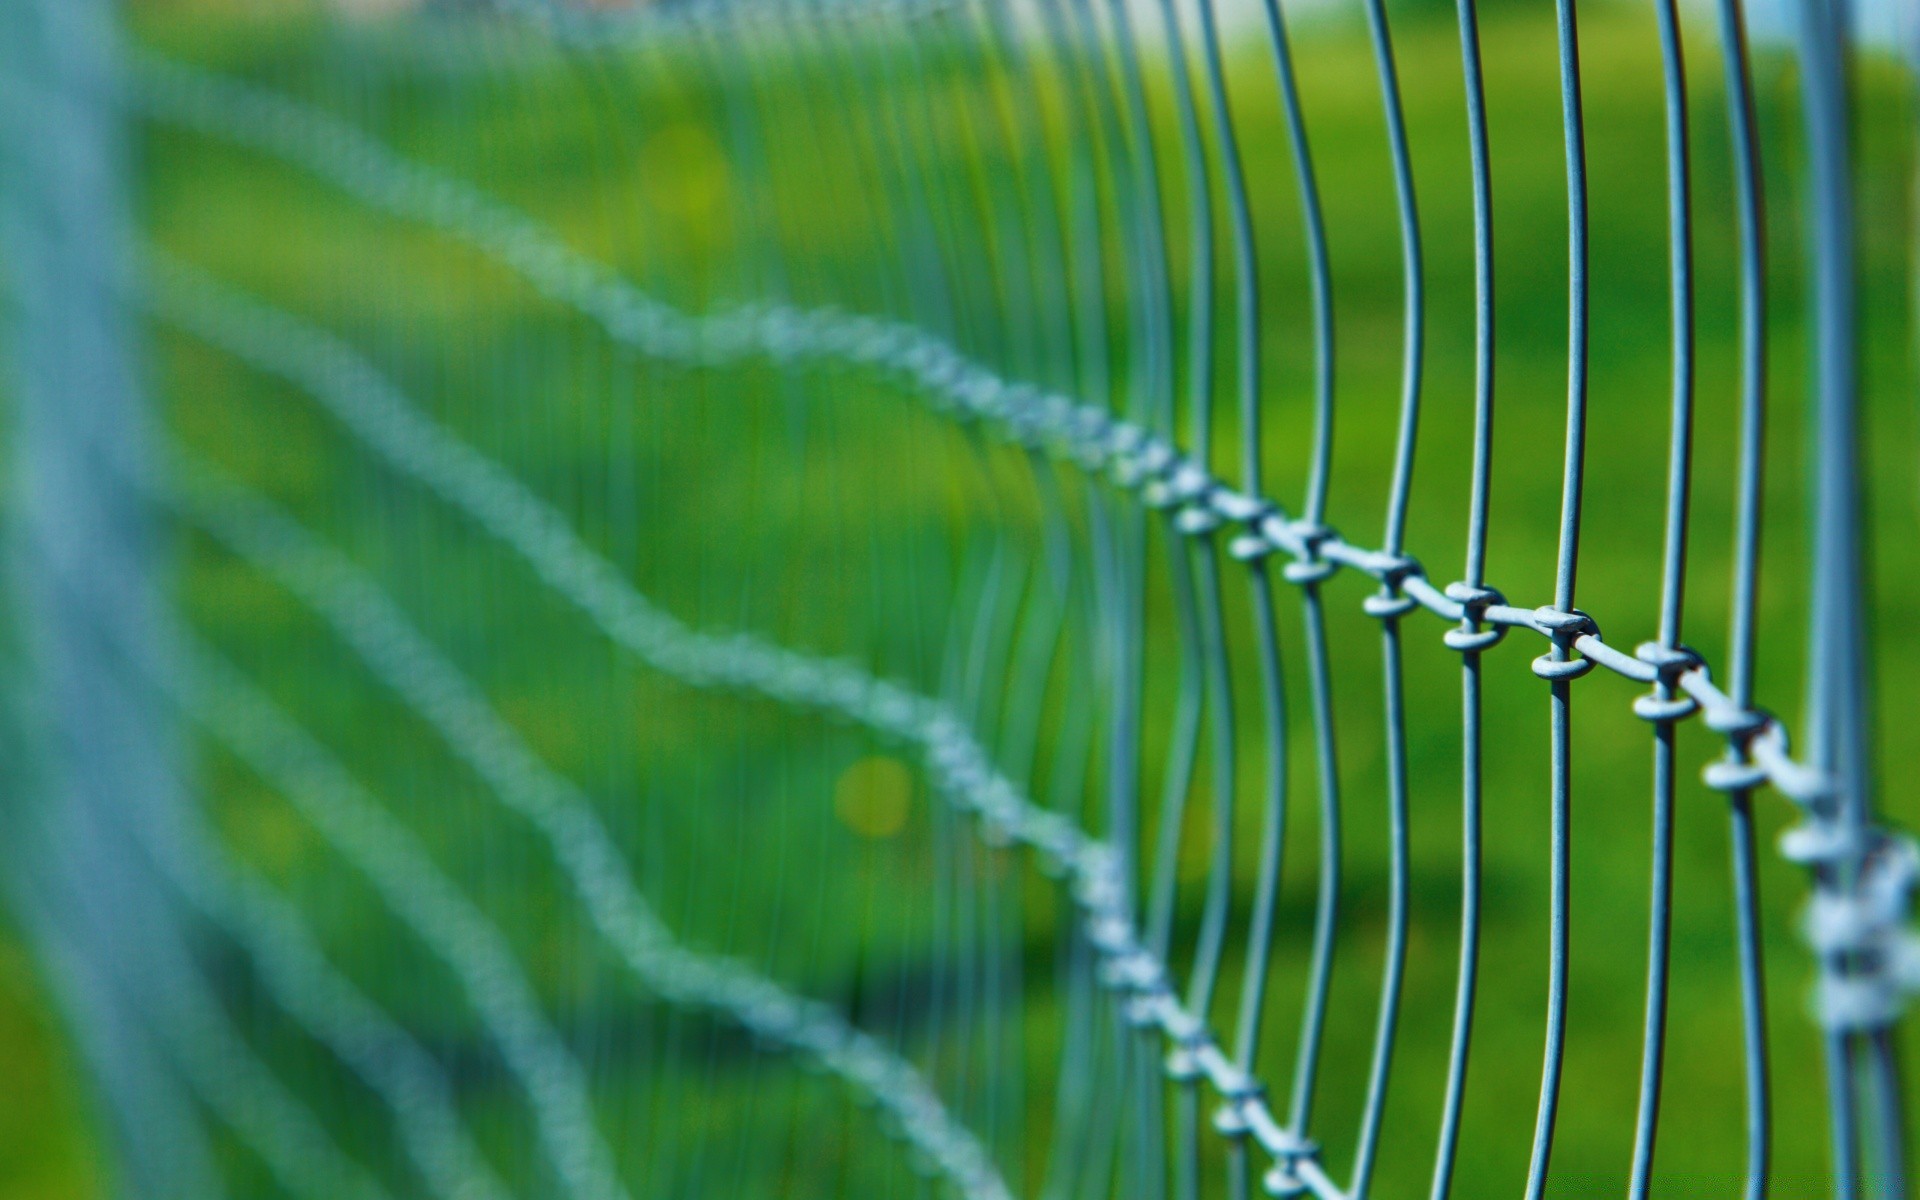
308,721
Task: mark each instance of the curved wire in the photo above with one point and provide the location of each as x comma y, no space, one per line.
1750,217
1663,711
1391,605
1470,634
1558,659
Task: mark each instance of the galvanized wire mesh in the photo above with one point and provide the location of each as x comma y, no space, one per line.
505,398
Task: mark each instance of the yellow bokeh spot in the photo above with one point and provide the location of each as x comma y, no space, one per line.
873,795
686,173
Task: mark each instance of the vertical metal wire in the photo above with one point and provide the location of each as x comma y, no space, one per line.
1092,136
1751,224
928,280
1010,229
1308,575
1091,132
1210,939
1661,707
77,415
1010,63
1033,302
1151,394
1153,380
1319,264
1860,1056
1259,944
1190,702
1557,665
1470,639
1390,605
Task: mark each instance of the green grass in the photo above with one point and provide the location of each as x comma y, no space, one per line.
841,526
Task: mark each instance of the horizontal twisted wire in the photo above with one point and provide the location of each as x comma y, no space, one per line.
296,973
218,696
136,953
1869,926
369,622
357,395
217,1063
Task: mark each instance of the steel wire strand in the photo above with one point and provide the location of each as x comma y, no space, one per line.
1390,605
1735,774
952,914
480,489
1045,612
1051,250
1074,1084
1260,931
1861,879
1470,638
1217,700
1007,62
1082,435
1006,228
1149,398
1195,669
1106,631
1664,706
617,26
756,161
1091,139
1005,216
988,656
1092,118
1253,548
1558,666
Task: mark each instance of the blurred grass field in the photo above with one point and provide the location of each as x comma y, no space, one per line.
836,514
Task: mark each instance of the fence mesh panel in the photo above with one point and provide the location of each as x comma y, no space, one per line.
876,597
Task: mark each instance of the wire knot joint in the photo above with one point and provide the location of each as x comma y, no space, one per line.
1474,601
1565,628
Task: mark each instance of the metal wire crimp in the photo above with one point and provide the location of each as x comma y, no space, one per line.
1869,959
1281,1179
1565,628
1175,482
1310,568
1085,436
1474,634
1737,772
1667,702
1237,1088
1197,517
1189,1036
1139,459
1392,570
1251,513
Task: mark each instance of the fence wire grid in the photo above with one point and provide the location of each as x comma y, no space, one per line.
819,597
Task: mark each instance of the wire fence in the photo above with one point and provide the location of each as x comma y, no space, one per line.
511,633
